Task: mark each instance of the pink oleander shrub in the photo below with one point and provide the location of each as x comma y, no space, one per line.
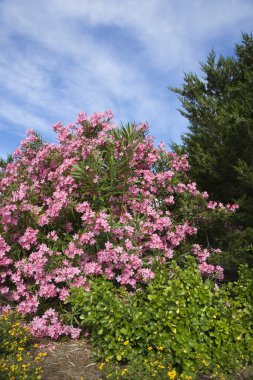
102,201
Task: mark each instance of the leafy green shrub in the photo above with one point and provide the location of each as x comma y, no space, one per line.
16,361
194,326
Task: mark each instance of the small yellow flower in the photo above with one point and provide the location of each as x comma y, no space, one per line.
160,348
123,371
40,355
172,374
205,363
101,366
150,348
38,370
126,342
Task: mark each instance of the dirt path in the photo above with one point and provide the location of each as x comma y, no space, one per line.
70,360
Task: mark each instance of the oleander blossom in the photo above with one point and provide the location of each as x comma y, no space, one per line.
100,201
205,268
50,325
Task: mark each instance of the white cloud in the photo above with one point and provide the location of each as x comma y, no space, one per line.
20,117
55,60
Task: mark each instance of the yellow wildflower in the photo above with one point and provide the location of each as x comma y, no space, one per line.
172,374
40,355
19,358
101,366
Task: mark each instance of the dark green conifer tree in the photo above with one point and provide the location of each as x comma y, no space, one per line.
219,143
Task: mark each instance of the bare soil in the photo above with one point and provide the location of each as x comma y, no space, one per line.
69,360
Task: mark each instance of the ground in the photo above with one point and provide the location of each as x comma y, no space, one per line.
69,360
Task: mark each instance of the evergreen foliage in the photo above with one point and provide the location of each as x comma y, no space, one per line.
219,143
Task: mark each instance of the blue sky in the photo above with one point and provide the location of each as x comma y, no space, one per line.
61,57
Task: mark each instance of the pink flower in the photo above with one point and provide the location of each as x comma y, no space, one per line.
52,235
82,117
29,238
30,305
50,325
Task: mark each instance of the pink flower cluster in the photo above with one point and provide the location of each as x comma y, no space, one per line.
220,206
5,262
58,229
29,238
205,268
49,325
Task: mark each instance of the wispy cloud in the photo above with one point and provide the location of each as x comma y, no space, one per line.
59,57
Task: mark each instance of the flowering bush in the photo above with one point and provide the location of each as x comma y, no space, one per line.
102,201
